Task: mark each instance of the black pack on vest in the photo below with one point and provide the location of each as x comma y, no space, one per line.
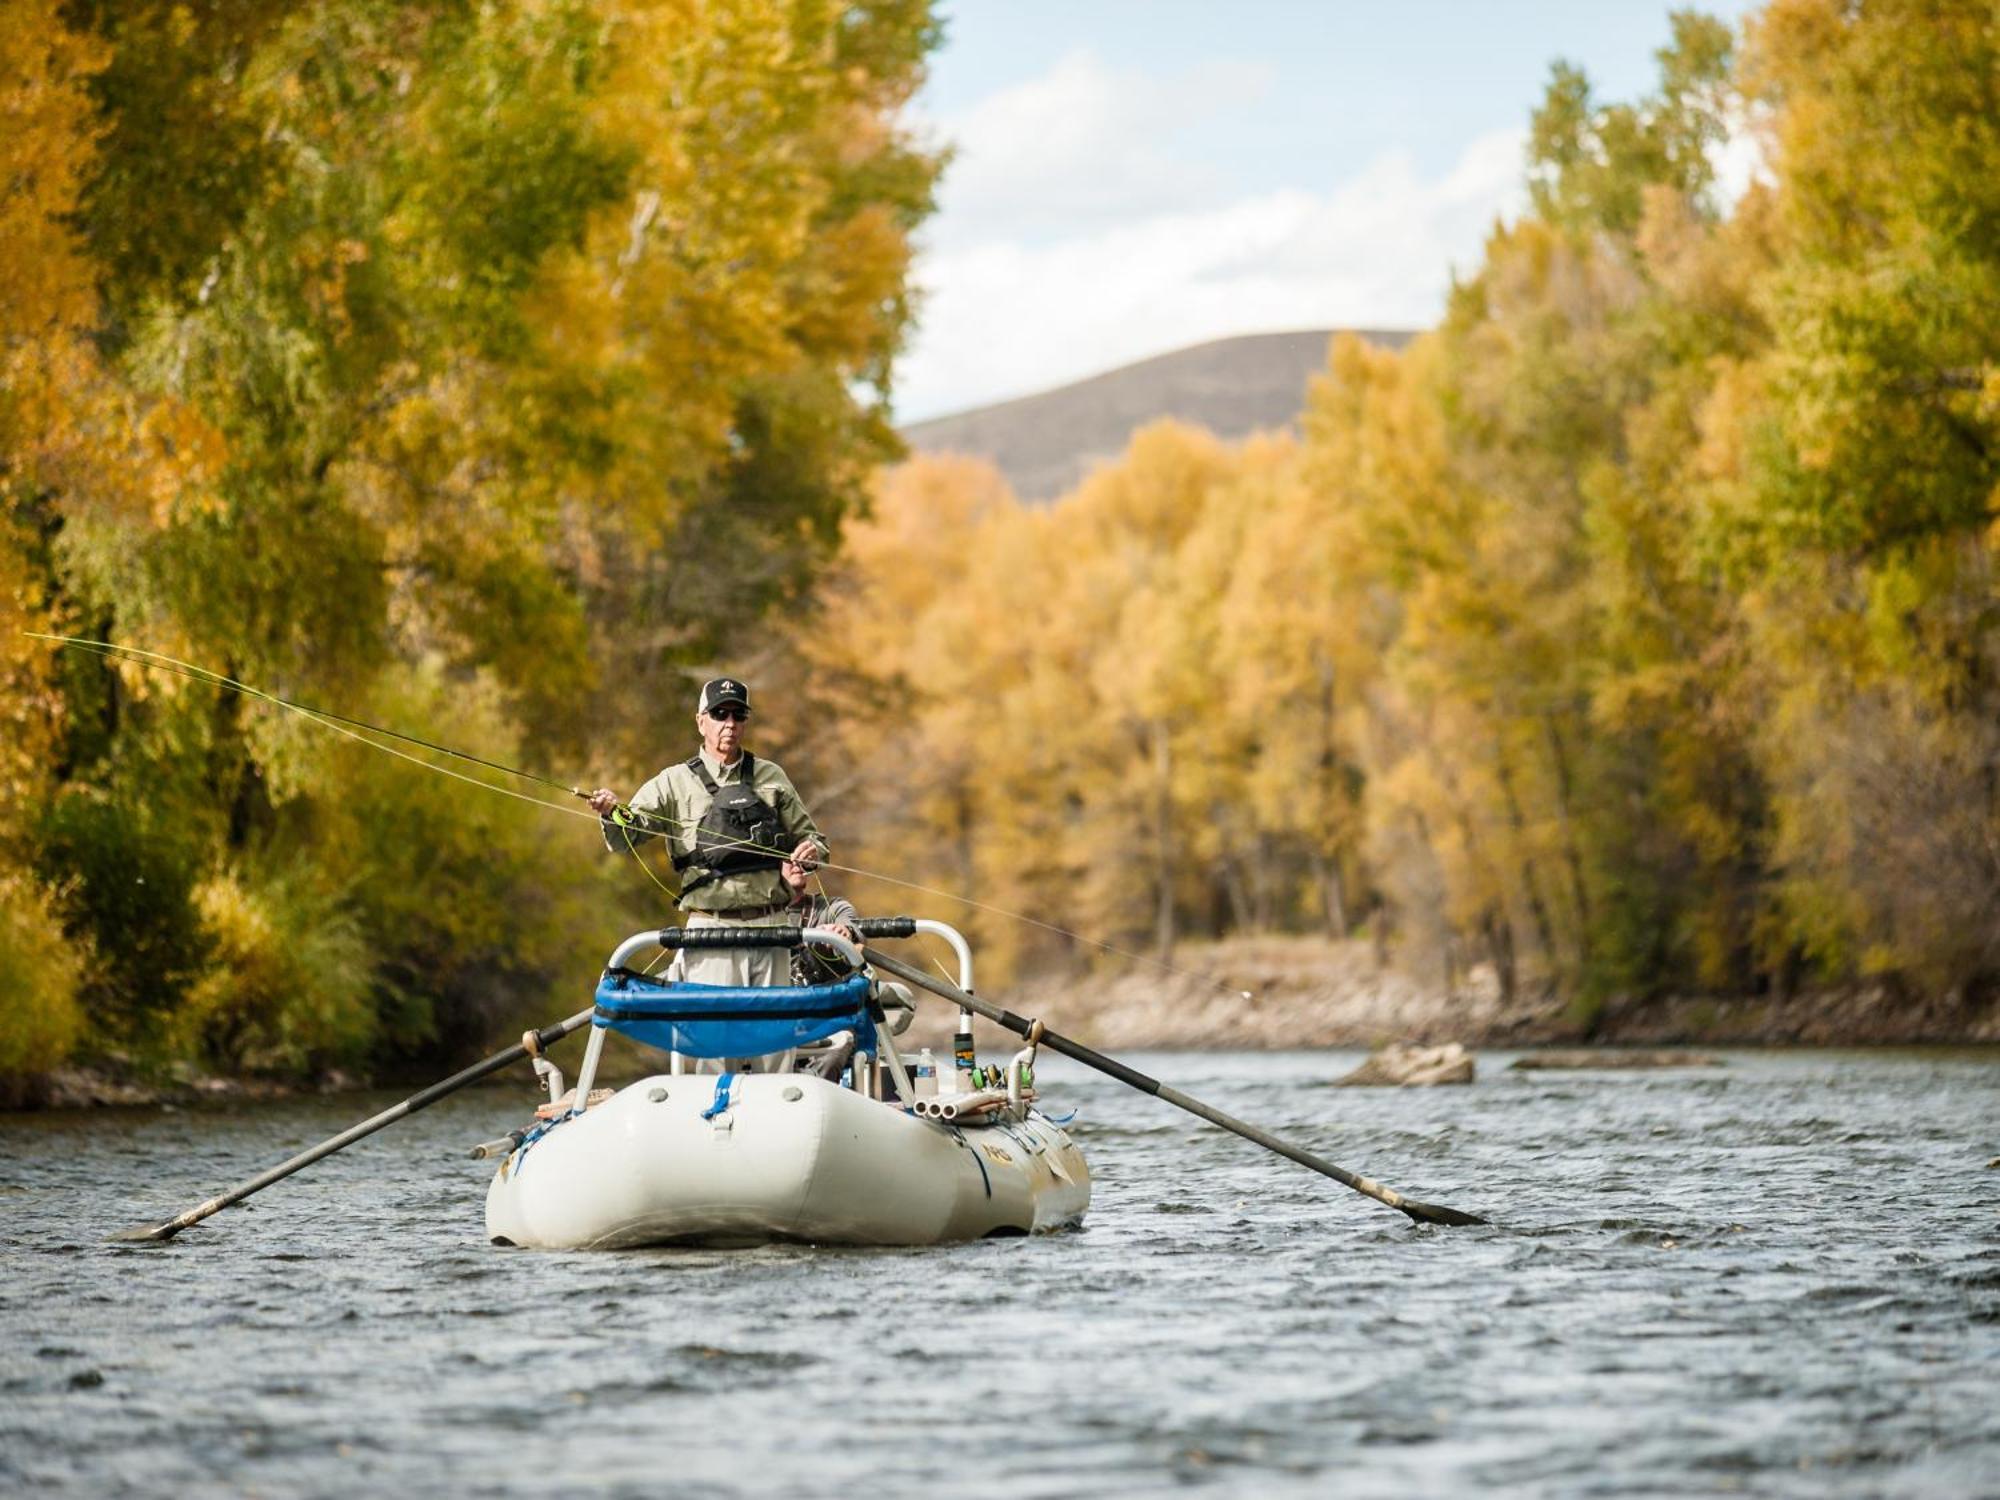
740,831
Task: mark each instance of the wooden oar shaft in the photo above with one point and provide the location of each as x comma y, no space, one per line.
422,1099
1428,1213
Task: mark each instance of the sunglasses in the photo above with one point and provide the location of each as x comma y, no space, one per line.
729,713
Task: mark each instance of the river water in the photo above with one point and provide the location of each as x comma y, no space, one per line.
1779,1277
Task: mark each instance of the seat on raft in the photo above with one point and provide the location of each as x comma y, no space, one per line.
723,1021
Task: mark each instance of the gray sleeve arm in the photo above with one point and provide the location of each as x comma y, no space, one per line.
792,812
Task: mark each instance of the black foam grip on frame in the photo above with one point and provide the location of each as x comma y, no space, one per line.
886,927
728,937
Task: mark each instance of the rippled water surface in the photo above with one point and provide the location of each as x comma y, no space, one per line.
1781,1277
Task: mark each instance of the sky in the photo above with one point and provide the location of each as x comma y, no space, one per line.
1134,176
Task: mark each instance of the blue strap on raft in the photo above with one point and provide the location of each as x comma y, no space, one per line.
721,1100
715,1020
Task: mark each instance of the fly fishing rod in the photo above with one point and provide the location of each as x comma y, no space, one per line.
626,820
114,652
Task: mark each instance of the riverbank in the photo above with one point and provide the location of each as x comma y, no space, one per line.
1314,992
111,1088
1302,992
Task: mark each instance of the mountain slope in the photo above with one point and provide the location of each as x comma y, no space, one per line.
1046,443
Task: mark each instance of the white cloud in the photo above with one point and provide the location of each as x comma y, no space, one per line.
1084,146
1004,315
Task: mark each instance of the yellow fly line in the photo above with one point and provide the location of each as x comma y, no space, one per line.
623,817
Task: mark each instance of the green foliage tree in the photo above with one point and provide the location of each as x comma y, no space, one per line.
481,369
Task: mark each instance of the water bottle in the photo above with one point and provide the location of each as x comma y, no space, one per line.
925,1081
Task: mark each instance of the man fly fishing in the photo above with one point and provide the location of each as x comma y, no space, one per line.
738,824
731,819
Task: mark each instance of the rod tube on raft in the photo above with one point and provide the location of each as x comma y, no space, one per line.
960,1106
965,1106
1034,1031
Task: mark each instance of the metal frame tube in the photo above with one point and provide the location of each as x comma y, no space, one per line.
826,937
588,1075
957,940
964,950
906,1094
632,945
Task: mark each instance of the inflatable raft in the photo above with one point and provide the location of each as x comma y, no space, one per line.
812,1130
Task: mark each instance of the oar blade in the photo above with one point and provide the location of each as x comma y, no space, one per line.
140,1234
1437,1213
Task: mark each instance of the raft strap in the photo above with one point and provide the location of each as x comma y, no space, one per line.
721,1101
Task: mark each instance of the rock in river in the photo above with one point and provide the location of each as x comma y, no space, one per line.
1404,1064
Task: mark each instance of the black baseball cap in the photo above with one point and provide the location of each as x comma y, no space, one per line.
720,690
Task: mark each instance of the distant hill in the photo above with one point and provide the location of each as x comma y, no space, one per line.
1046,443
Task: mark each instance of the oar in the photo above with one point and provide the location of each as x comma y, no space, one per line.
348,1137
1424,1213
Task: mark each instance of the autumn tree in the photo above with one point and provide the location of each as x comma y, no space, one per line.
482,370
1630,631
1858,484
